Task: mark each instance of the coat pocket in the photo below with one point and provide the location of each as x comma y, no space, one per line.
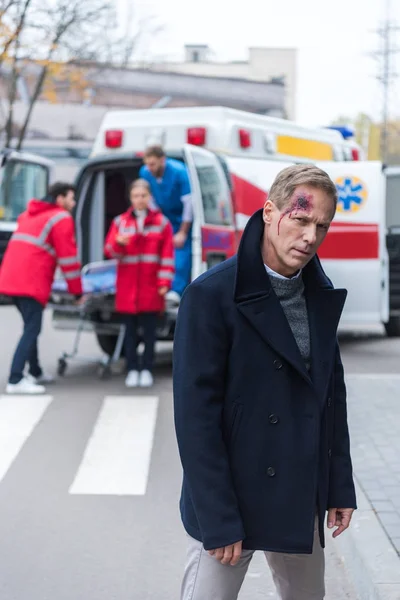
235,422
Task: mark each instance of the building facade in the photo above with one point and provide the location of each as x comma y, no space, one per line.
73,102
263,64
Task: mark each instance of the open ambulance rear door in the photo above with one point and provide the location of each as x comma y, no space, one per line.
354,253
214,238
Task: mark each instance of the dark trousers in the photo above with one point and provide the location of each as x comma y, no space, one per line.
148,323
27,352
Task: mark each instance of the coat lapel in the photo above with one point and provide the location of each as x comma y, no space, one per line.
324,307
257,302
266,315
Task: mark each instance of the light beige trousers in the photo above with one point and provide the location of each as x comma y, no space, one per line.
296,576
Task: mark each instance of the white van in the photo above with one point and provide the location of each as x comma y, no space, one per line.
227,188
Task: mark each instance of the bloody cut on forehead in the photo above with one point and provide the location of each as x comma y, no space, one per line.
300,201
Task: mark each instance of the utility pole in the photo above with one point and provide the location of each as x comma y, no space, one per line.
386,75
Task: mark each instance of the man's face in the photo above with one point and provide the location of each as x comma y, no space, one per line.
294,233
67,202
140,198
155,165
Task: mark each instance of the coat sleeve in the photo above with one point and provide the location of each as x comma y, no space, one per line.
341,485
201,350
166,271
111,247
64,243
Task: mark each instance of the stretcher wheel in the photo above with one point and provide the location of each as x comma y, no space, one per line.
104,371
62,367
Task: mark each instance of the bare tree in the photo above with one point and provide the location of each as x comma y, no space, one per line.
7,33
43,36
64,27
82,31
119,50
11,49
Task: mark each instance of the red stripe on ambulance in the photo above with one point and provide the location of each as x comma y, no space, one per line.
351,241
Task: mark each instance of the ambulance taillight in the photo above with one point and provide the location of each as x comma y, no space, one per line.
114,138
244,138
196,136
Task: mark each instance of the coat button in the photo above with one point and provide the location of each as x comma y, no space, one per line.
271,472
278,364
273,419
329,452
329,401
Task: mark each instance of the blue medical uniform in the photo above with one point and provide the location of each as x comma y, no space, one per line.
167,194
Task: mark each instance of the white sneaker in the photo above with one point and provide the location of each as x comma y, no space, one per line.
25,386
132,379
146,379
44,379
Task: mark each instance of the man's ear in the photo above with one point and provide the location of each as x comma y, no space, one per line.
268,209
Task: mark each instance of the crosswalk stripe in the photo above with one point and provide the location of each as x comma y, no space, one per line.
19,415
117,457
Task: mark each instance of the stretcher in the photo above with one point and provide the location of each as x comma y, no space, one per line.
90,314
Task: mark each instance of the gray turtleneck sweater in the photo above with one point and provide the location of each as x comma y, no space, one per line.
291,296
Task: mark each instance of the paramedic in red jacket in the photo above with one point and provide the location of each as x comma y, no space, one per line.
142,241
44,238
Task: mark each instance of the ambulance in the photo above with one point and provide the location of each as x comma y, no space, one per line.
232,160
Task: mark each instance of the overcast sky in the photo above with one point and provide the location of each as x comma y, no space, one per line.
336,74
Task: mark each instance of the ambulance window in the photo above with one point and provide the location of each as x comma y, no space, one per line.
21,181
215,194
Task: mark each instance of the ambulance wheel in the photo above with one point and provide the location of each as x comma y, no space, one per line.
62,367
393,327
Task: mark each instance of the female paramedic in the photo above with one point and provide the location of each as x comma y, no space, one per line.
141,240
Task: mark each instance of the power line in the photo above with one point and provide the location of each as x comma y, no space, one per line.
386,73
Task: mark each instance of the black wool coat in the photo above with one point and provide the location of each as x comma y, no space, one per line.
264,444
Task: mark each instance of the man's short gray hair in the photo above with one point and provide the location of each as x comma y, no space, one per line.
290,178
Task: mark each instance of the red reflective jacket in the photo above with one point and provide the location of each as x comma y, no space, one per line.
43,240
145,265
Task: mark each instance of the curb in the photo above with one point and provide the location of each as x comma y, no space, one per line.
370,559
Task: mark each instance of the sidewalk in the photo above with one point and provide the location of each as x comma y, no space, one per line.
371,547
374,417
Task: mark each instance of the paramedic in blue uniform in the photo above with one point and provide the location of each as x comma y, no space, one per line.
170,188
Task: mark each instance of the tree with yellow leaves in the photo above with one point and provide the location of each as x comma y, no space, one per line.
48,40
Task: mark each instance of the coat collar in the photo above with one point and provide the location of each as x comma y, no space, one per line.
257,301
151,215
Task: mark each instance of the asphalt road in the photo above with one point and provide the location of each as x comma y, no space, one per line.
90,480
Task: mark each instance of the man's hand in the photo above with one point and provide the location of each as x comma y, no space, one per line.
229,555
163,290
122,240
180,239
339,517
